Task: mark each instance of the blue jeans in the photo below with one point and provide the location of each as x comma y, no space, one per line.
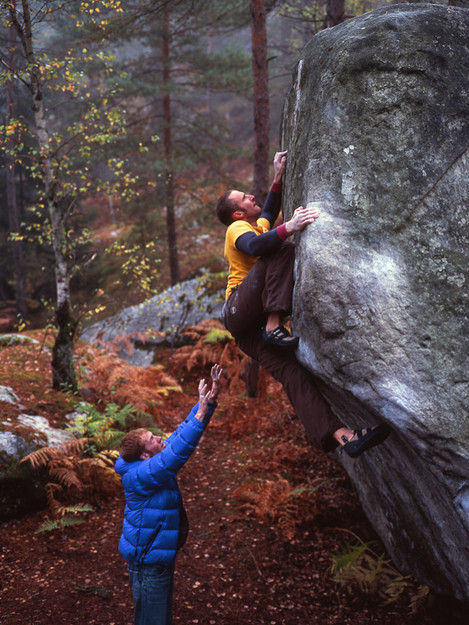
152,589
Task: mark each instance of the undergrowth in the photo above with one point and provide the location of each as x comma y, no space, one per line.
277,501
121,397
357,566
66,517
90,422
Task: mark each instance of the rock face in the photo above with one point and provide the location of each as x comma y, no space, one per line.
160,318
376,125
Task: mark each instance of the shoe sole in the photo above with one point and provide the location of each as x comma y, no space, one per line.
281,343
377,436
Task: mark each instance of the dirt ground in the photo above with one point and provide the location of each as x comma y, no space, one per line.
242,564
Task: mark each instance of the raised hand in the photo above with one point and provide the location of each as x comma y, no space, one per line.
215,374
206,396
202,389
203,405
280,164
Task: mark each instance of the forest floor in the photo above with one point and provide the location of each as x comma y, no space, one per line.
267,512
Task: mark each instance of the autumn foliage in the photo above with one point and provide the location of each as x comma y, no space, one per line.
267,510
75,473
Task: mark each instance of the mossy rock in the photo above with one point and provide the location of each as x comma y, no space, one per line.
10,340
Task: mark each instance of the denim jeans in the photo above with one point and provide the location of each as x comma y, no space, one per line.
152,589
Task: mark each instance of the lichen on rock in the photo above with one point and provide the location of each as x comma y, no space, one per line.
376,125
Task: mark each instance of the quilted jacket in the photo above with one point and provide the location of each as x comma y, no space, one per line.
154,517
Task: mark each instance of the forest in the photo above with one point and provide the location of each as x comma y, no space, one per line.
121,123
120,128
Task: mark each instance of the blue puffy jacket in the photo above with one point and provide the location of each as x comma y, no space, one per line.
154,510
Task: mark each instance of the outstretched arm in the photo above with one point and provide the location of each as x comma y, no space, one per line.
262,244
272,204
183,441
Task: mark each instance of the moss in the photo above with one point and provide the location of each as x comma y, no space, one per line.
10,340
218,335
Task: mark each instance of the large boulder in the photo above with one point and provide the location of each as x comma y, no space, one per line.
376,125
159,319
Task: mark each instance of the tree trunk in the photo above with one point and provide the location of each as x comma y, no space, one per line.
261,100
13,217
63,375
168,149
335,12
260,74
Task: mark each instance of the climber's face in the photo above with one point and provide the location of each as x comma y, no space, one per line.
246,207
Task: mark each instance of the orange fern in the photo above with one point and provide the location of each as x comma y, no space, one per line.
70,472
112,379
276,501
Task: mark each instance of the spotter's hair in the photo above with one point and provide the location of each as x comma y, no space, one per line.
131,447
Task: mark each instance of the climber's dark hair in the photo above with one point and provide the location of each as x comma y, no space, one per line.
225,208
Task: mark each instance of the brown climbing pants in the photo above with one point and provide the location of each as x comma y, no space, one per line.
268,287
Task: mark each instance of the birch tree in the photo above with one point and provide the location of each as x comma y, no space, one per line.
62,356
51,160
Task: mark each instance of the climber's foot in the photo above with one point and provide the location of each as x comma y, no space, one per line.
280,337
365,439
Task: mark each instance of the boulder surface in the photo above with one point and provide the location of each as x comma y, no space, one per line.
376,124
157,320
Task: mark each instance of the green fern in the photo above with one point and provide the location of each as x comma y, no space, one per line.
91,422
65,518
47,526
346,560
108,440
310,490
357,565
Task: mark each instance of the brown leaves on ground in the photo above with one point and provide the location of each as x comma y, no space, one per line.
266,511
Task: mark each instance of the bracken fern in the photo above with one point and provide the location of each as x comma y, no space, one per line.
277,501
357,565
65,517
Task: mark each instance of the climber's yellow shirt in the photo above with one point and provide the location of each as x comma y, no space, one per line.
240,263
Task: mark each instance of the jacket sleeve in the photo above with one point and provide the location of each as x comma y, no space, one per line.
179,447
181,427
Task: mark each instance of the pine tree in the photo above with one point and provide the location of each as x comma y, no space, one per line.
179,71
